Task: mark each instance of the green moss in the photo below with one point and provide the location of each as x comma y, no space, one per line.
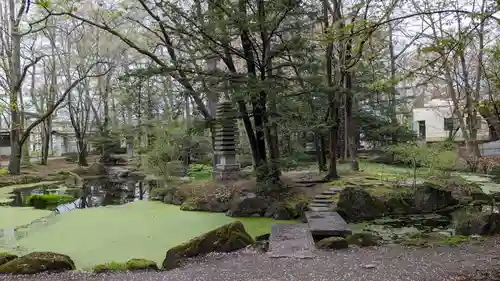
295,204
364,239
455,240
109,267
141,264
434,239
333,243
424,240
37,262
48,201
131,265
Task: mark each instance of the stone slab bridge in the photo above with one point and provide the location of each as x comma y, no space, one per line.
297,240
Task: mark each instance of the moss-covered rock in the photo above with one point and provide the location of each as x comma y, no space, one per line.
141,264
291,206
7,257
227,238
333,243
364,239
433,196
470,221
109,267
37,262
356,203
131,265
248,205
398,204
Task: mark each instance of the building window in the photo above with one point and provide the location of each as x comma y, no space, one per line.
450,124
421,129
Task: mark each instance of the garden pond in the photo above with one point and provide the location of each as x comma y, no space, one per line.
127,225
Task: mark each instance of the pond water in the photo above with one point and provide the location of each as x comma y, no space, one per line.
141,229
95,193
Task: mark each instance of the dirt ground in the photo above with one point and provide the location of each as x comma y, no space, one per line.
392,263
36,172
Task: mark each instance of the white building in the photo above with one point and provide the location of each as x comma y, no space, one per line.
435,122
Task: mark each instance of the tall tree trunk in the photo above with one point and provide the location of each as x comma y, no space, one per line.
82,151
349,104
45,142
15,91
333,107
269,116
393,91
320,153
258,102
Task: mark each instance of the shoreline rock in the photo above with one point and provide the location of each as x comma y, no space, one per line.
227,238
37,262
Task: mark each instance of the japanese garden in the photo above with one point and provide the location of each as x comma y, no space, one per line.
249,140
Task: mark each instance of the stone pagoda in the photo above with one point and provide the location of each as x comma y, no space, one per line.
226,136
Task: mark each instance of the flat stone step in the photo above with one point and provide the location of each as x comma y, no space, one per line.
319,209
323,201
331,191
319,205
327,224
322,196
291,241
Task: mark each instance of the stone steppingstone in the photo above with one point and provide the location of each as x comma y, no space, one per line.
319,209
232,152
226,142
224,138
226,133
323,201
322,196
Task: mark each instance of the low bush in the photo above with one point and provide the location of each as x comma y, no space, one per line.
200,171
48,201
4,172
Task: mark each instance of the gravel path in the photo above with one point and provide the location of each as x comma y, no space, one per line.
370,264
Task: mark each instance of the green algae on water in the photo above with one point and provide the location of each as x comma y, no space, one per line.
140,229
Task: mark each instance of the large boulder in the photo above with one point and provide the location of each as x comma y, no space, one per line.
476,222
227,238
430,197
248,205
37,262
6,257
356,203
